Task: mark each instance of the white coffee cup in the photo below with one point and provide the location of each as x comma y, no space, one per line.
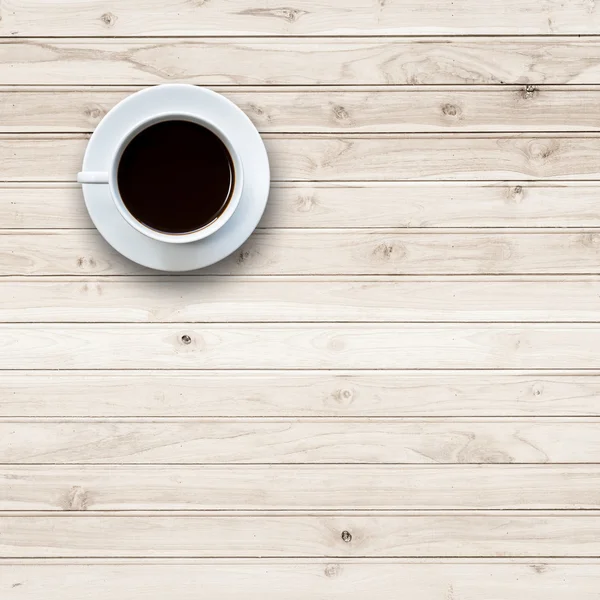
110,178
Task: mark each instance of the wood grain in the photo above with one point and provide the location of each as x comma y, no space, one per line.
300,346
297,61
333,110
274,579
356,487
58,157
314,299
347,252
419,535
305,17
185,441
298,394
403,360
342,204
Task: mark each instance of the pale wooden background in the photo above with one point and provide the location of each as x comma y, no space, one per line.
391,390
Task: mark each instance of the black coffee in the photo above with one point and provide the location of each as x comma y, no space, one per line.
175,176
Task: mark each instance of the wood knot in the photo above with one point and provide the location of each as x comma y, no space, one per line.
108,19
346,536
343,396
186,339
291,15
83,262
336,344
516,194
340,113
94,112
542,149
451,110
488,456
306,203
243,256
590,240
257,110
333,570
91,288
540,568
385,251
529,92
537,389
77,499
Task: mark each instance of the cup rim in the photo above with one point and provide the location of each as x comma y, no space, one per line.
196,234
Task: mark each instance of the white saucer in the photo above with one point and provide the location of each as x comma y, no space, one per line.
184,99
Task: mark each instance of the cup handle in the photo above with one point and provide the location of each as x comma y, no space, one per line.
92,177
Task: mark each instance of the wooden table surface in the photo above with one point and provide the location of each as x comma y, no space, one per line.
392,390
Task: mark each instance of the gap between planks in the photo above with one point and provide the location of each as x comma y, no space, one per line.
564,560
582,229
240,514
257,420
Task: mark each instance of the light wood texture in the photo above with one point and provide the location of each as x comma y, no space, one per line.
297,61
400,367
300,346
298,394
58,157
274,579
402,535
287,487
330,252
284,299
342,204
333,110
304,17
301,441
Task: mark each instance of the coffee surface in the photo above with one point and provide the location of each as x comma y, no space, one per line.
175,176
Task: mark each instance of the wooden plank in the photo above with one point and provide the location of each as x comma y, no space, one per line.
281,300
44,157
119,488
561,534
315,205
390,441
349,252
333,110
298,393
176,300
277,579
300,346
307,17
321,157
297,61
